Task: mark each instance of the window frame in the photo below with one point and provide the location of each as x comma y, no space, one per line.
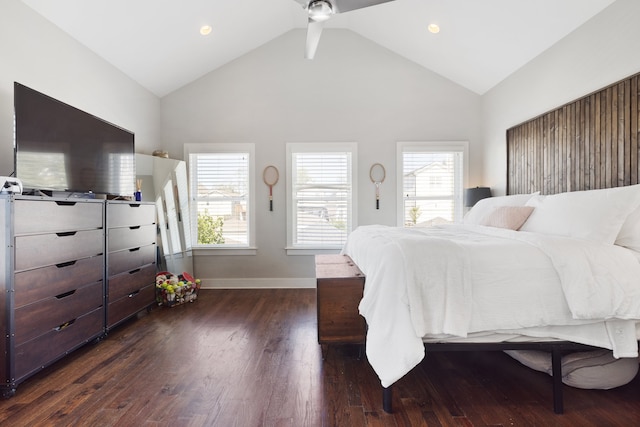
431,147
317,147
205,148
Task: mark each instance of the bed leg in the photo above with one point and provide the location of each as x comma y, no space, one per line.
386,400
556,370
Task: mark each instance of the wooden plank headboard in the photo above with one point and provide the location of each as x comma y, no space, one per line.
590,143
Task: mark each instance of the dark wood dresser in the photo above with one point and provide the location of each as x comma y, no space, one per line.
131,259
70,269
52,281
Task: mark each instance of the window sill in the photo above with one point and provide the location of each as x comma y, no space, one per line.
312,251
224,251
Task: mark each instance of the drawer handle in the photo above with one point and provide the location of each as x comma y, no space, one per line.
66,233
65,203
134,205
134,227
66,264
134,249
134,271
65,325
133,294
66,294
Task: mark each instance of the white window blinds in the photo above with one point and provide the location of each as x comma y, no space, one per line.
220,189
321,200
431,182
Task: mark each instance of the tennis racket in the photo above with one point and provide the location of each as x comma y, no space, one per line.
377,174
270,176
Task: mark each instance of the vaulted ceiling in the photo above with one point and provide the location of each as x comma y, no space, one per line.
157,42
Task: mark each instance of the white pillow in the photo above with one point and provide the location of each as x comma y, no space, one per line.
485,207
595,215
629,235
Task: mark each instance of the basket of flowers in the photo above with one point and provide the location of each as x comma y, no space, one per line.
172,289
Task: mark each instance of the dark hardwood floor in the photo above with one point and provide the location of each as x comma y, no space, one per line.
251,358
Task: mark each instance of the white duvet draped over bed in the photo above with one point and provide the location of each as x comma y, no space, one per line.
455,281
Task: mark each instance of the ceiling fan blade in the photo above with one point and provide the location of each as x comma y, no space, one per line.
321,10
341,6
314,29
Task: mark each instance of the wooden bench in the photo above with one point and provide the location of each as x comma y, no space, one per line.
339,288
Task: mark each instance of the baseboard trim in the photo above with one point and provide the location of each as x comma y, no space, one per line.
258,283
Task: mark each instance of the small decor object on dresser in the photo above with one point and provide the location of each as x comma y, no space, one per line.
172,290
138,194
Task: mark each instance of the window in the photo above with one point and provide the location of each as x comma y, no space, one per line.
321,182
221,180
431,179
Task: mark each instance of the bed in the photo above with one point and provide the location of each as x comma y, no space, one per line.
558,283
552,266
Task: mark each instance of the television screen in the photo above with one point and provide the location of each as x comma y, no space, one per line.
60,148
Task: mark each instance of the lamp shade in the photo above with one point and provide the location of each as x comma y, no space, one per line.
473,195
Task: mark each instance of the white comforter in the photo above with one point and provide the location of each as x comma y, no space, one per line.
453,281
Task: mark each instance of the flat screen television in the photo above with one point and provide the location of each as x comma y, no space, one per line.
62,149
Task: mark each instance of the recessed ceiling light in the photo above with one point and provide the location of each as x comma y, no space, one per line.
434,28
205,30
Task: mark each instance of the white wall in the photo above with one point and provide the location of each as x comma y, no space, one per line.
601,52
37,54
354,90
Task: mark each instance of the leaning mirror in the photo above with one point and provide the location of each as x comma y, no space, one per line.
164,181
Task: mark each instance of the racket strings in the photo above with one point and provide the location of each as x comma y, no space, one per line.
377,173
270,176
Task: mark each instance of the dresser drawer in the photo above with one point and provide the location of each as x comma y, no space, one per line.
43,216
128,259
40,250
130,237
35,319
130,214
37,353
34,285
130,304
125,283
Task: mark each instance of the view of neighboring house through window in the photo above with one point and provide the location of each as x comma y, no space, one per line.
320,195
431,181
220,184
